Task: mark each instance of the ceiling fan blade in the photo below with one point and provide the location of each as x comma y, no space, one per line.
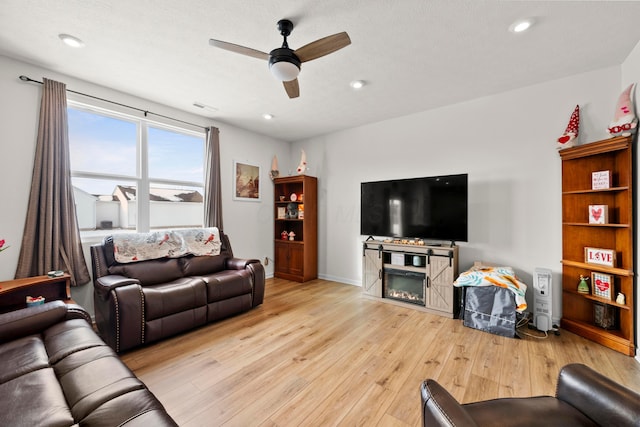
239,49
323,46
292,88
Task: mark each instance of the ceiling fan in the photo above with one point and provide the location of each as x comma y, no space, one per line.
284,62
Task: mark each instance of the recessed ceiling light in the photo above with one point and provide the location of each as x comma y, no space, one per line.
267,116
521,25
71,40
357,84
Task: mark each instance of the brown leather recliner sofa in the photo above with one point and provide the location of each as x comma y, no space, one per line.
55,371
583,397
141,302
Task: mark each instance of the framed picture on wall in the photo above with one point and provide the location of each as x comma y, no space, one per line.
246,182
602,285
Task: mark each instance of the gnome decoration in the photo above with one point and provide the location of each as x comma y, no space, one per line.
274,169
570,136
624,122
302,167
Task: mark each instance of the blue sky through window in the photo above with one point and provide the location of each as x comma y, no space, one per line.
174,155
102,144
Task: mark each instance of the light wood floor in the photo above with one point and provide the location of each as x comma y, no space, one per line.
319,354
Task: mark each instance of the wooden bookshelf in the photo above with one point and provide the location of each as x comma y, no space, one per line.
296,259
579,314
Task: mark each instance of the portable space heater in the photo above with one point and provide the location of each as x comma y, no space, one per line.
542,299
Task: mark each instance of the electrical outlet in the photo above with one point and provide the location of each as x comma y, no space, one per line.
266,261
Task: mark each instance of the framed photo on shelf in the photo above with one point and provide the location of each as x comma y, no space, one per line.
602,285
600,180
246,182
282,212
606,257
598,214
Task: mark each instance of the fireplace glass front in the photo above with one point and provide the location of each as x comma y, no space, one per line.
406,286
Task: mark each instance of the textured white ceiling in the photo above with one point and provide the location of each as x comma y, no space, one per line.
415,54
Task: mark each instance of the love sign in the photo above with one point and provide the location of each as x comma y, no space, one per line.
600,256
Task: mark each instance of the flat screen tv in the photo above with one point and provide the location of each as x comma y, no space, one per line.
433,208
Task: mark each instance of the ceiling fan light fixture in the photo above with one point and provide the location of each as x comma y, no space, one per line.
284,64
284,71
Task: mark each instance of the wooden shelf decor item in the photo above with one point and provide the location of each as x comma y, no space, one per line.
602,285
595,175
606,257
598,214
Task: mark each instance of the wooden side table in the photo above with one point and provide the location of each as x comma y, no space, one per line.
13,293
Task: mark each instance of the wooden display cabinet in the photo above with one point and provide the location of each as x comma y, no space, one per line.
296,259
580,310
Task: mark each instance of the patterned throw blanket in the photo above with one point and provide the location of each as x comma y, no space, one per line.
132,247
503,277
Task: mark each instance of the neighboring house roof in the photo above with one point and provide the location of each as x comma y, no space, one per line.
162,194
81,191
106,197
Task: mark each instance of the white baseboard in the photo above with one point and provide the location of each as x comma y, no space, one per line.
340,280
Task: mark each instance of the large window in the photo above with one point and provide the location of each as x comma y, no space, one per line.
133,174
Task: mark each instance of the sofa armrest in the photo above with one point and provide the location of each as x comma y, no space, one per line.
105,284
75,311
239,263
256,269
439,408
120,317
598,397
33,320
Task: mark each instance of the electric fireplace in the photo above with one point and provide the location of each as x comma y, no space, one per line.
406,286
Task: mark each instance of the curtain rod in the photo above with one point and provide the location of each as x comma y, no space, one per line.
29,79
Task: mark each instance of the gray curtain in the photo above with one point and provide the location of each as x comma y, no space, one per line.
212,185
51,239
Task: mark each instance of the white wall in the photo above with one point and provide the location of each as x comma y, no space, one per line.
247,223
86,209
107,211
506,143
631,74
175,214
128,214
